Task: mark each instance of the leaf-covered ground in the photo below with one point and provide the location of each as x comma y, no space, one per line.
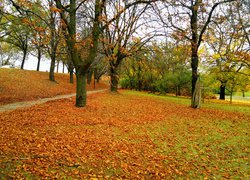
128,136
21,85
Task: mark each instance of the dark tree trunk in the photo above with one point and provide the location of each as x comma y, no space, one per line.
39,54
63,67
71,77
81,89
222,92
24,58
194,65
113,78
194,59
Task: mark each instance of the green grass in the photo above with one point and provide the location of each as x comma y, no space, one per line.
244,108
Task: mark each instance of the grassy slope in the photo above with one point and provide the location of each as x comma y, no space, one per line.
130,135
20,85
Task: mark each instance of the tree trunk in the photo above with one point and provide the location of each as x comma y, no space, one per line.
57,67
113,78
52,68
89,75
222,91
63,68
81,89
196,98
24,58
231,97
71,77
39,59
194,65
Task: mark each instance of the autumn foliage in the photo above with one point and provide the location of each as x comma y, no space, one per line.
127,135
19,85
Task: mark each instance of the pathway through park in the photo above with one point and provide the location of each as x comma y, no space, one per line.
13,106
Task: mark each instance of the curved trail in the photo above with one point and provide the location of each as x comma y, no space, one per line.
16,105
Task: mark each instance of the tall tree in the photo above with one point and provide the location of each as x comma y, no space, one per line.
16,33
228,43
199,14
68,16
120,38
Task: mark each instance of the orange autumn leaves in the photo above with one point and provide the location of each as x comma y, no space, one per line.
19,85
116,135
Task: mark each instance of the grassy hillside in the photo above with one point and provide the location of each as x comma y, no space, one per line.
21,85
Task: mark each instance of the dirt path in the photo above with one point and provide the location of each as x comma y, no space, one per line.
13,106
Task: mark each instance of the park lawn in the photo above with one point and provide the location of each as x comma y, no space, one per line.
129,135
23,85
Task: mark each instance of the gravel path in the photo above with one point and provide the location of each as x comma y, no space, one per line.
13,106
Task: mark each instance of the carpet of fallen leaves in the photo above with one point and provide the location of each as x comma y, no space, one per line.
123,136
22,85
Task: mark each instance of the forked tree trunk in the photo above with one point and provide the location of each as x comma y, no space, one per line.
81,89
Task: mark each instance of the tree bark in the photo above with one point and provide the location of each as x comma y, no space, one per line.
222,91
57,67
113,78
24,58
194,58
196,98
81,89
71,77
52,67
39,54
89,75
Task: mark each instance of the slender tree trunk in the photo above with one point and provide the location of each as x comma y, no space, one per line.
222,92
71,77
194,65
113,78
63,67
24,58
81,89
57,67
52,67
39,54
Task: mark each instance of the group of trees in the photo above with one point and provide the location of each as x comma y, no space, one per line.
163,68
121,38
